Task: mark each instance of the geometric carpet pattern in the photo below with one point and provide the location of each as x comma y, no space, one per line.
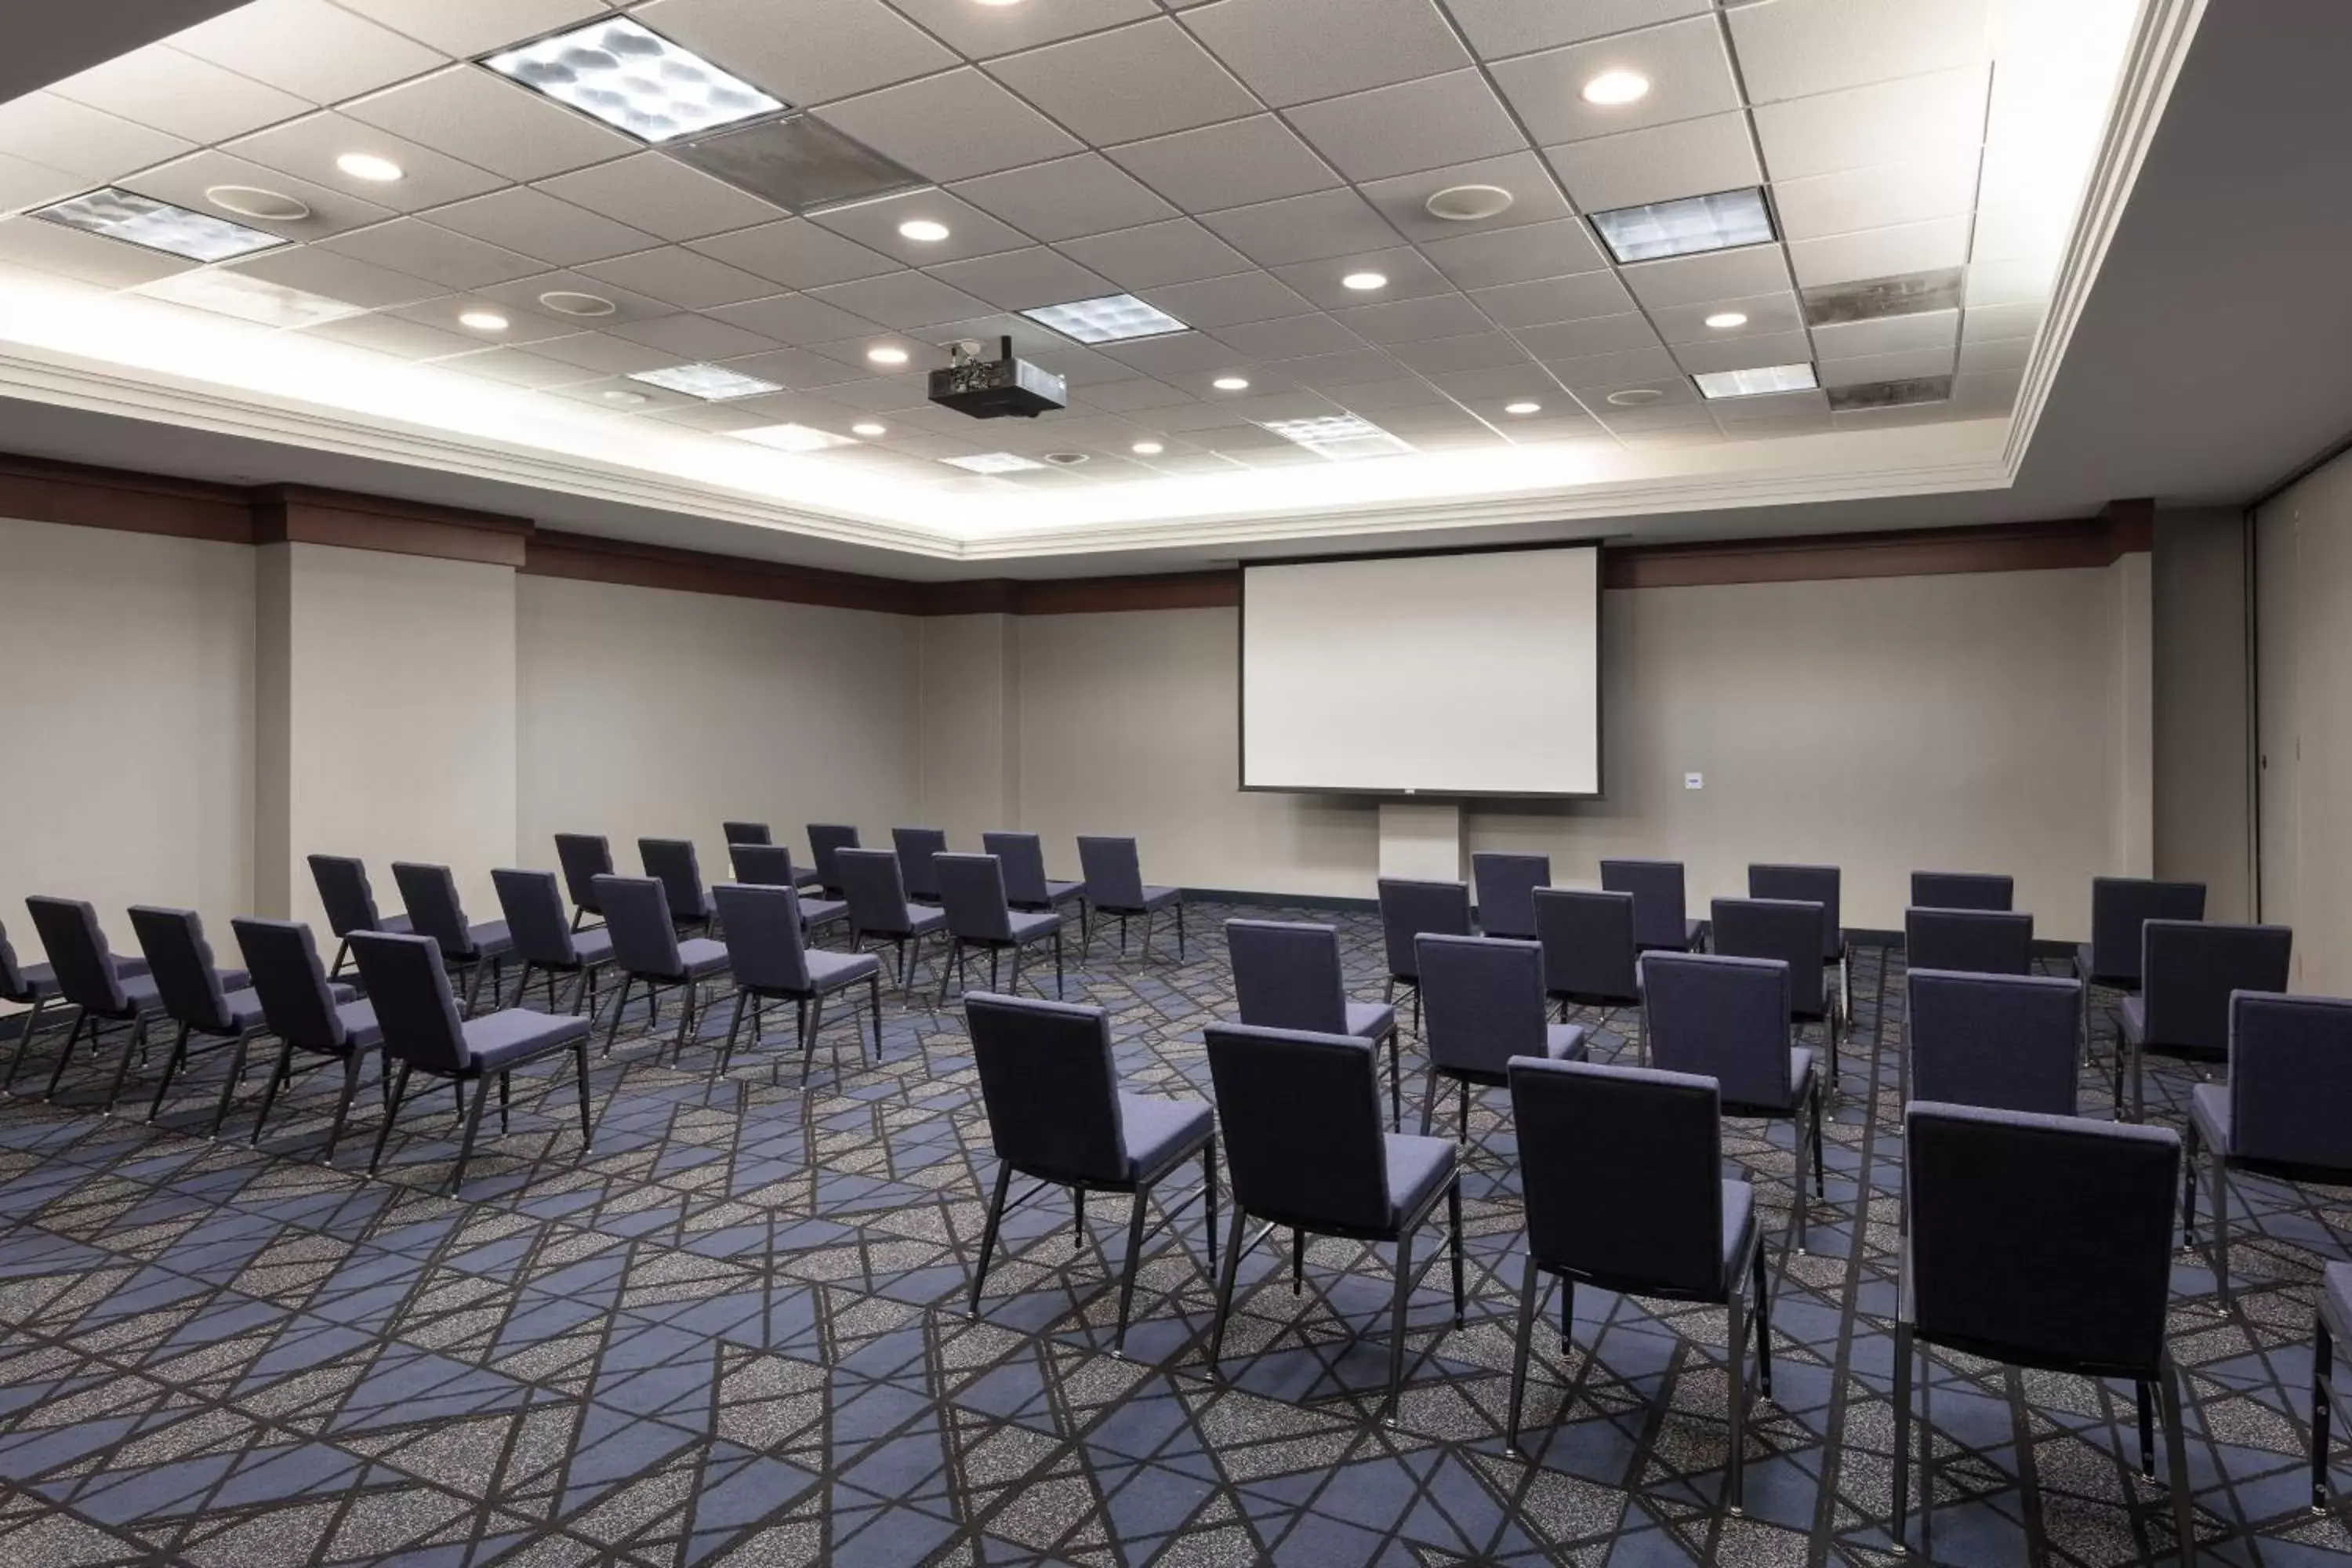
735,1333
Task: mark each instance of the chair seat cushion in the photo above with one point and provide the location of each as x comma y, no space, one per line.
815,912
360,1028
1153,899
500,1039
1800,1073
1063,892
245,1006
1564,1042
699,955
805,877
1027,926
1159,1132
2131,1017
1739,1215
2209,1113
2335,1304
490,939
830,971
1417,1167
41,981
395,925
1370,1020
593,946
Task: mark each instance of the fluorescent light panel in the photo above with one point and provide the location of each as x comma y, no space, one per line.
1756,382
1114,318
992,463
794,437
249,299
158,226
633,80
1338,435
707,382
1686,227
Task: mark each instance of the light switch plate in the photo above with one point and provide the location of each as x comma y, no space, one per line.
1693,781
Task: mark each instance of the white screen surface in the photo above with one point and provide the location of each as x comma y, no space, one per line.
1474,674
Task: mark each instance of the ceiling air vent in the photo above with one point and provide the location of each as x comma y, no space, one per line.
798,162
1906,294
1890,394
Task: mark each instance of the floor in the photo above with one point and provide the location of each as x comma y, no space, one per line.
734,1333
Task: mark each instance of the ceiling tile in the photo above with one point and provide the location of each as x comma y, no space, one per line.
2017,231
185,180
1921,118
524,326
1065,198
1472,351
180,94
951,127
70,253
1793,48
308,147
1412,321
308,47
1978,393
875,225
1717,275
491,122
1410,276
1176,251
2010,282
1400,396
1290,51
662,196
1024,279
517,368
1992,323
1766,313
1688,68
1596,335
1523,254
800,368
469,27
1238,164
1289,337
982,31
1145,80
1404,199
695,337
1780,428
529,222
1229,300
392,335
1184,353
795,319
429,251
1501,27
320,271
1644,367
1687,158
1881,252
901,300
1573,430
43,128
1302,228
1141,393
1412,126
1876,198
524,294
1888,334
1745,354
1355,367
27,184
1771,405
828,49
605,354
1573,299
2003,353
687,279
1888,367
797,253
1509,384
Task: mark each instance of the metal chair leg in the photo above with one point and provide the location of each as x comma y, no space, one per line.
179,1054
1396,1326
25,1040
280,1071
1523,1340
132,1048
620,1005
587,1122
1737,1347
81,1019
2221,1227
874,1007
2323,1364
1059,993
343,1108
719,1063
1127,1275
466,1144
2184,1511
1901,1433
988,1235
1225,1289
392,1109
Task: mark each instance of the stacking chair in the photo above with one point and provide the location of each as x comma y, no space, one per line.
1813,885
1995,1271
534,911
91,978
1409,909
584,856
672,862
349,902
34,986
972,892
1622,1169
2331,1331
2004,1042
646,949
1728,1019
770,865
2120,906
1485,1006
915,847
480,950
747,833
2285,1112
419,1015
1660,922
2190,968
1057,1116
768,953
1788,929
1301,1115
1287,976
194,995
1506,886
1026,886
1113,869
300,1007
878,906
1962,890
1590,957
824,838
1969,941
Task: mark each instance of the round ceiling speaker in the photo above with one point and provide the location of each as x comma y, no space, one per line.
1633,397
570,303
1065,459
252,201
1468,203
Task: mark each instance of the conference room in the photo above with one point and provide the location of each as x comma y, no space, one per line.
1175,782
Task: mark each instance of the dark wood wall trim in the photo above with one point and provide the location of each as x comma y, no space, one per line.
291,515
588,558
1910,552
39,491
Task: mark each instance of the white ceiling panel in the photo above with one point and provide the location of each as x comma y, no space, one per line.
2010,282
1404,200
429,251
529,222
354,283
1780,428
1771,405
1921,117
70,253
982,31
393,335
1324,283
662,196
1523,254
181,95
58,133
1793,48
826,49
1176,251
25,184
1414,321
1228,301
1236,163
517,368
694,337
2020,231
1472,351
1141,395
1343,374
2001,353
901,300
1400,398
487,121
1411,126
800,368
1980,393
1687,158
1145,80
467,27
1888,367
875,225
524,294
1067,198
307,149
1289,337
601,353
951,127
1304,228
1184,353
185,180
1879,196
1888,334
797,253
1515,383
1717,275
1653,369
1689,69
306,48
1292,51
1498,28
1024,279
523,325
1744,353
685,279
1880,252
1595,335
1577,297
1992,323
1767,314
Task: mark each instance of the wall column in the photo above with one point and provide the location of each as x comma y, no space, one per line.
971,742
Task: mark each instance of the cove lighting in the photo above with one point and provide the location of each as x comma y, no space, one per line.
1113,318
1754,383
230,293
1686,227
711,383
157,226
635,80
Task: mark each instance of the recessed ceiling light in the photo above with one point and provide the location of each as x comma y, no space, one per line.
998,2
870,429
1468,203
1633,397
634,80
572,302
1148,448
252,201
886,355
1113,318
1612,88
923,231
1336,436
1231,384
709,382
1724,321
233,293
992,463
1364,282
483,320
367,166
1523,409
1687,226
794,437
1754,383
623,399
157,226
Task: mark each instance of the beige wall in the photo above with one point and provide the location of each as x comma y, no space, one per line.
971,725
2202,717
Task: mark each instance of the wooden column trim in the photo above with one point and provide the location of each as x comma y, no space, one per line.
78,496
287,514
589,559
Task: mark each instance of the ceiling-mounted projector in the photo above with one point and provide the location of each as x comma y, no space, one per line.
998,388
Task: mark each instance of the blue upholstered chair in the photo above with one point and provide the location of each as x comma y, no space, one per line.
2331,1333
1728,1019
972,892
1486,996
915,847
1287,976
1506,886
878,906
1660,922
2286,1110
301,1008
768,953
1590,957
1622,1170
1113,869
1969,941
349,902
196,994
770,865
34,986
544,941
2004,1042
1026,886
1409,909
647,950
758,833
91,978
674,864
1301,1116
419,1015
1962,890
2190,968
1790,930
584,856
2120,906
1822,885
478,952
1057,1116
1997,1272
824,838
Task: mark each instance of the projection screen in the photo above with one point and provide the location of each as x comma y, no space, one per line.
1464,674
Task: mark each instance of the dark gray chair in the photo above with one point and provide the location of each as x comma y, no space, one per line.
2331,1331
1287,976
1660,918
1622,1170
1485,1006
1409,909
1728,1019
646,948
915,847
1506,886
1822,885
2120,906
1305,1148
1026,886
768,953
674,864
1962,890
91,978
34,986
584,856
878,906
547,943
770,865
2005,1042
477,951
747,833
2285,1111
1998,1271
971,893
1969,941
194,995
1589,958
1113,869
1057,1116
824,838
300,1007
419,1015
2190,969
1789,930
349,902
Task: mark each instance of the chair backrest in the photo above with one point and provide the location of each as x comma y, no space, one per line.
1661,916
1300,1112
915,848
2291,1080
2000,1270
1408,909
533,906
1113,869
342,883
584,856
763,865
765,948
824,838
636,916
78,954
1505,885
290,982
1622,1171
2006,1042
1023,858
1976,941
1806,885
1481,1000
14,986
1587,942
972,892
1724,1019
2119,907
431,894
408,984
748,833
2189,967
672,862
180,961
1287,976
1047,1081
1962,890
1786,929
878,898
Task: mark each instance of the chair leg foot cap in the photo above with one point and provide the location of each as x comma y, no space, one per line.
1739,1511
2318,1510
1392,1423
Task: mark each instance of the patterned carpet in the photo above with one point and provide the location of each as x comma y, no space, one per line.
735,1335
